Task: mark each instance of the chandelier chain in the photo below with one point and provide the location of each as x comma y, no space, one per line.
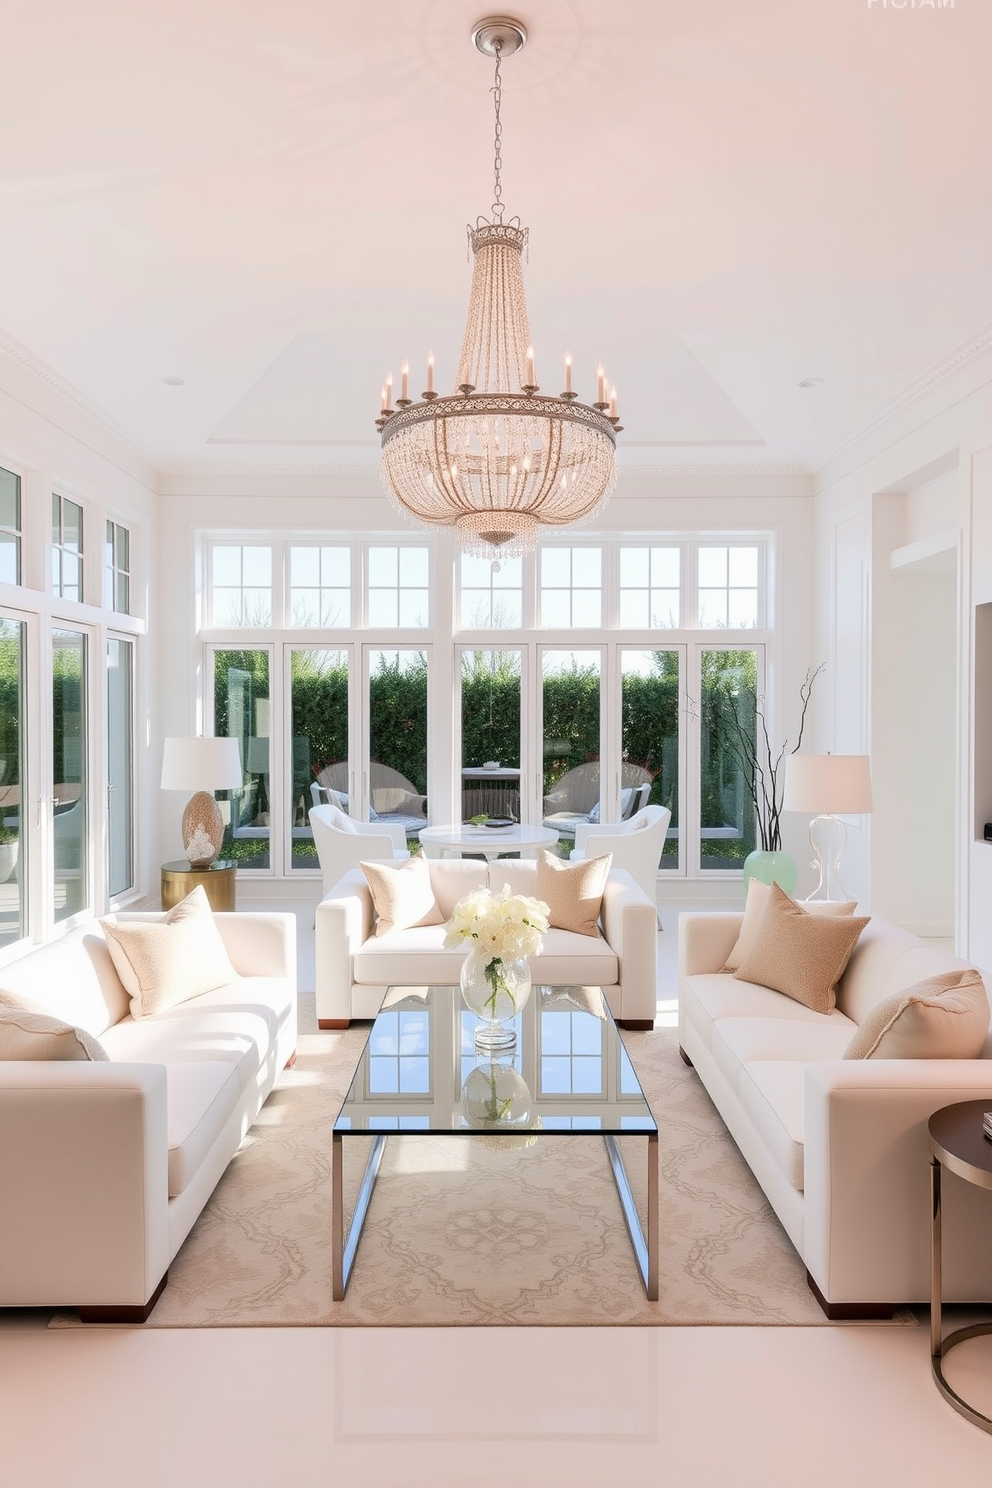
497,91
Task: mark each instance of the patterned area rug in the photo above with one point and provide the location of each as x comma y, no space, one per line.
459,1233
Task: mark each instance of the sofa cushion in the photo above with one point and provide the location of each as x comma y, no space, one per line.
710,996
871,973
200,1098
773,1095
573,892
402,955
241,1038
402,895
799,954
27,1035
72,978
167,961
944,1017
453,878
739,1041
758,895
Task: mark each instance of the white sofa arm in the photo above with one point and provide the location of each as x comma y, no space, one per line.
343,924
867,1181
630,925
705,941
261,945
84,1156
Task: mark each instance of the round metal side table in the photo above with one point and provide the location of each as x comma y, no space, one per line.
218,878
957,1142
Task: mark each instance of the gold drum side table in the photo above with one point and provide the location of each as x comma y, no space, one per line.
219,880
957,1143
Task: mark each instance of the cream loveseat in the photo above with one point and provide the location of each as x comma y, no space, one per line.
839,1146
105,1166
354,966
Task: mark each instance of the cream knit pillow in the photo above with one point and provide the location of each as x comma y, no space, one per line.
165,962
758,895
573,892
943,1017
799,954
402,895
27,1035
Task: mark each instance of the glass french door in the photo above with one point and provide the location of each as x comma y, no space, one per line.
571,738
241,709
395,717
728,690
13,800
651,738
69,773
320,770
120,765
491,742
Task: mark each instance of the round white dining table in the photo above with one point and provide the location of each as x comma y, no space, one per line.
459,838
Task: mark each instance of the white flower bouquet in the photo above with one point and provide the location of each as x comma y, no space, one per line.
501,931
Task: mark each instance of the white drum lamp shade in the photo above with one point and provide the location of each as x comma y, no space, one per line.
827,786
202,765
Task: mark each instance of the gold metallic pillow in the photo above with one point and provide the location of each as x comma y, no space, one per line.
573,892
799,954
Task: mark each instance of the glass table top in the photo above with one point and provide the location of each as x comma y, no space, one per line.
569,1071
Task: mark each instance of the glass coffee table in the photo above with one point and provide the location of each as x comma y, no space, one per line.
569,1076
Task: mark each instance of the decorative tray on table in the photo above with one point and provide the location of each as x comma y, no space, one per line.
499,821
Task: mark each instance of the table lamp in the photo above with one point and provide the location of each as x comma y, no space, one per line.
825,785
202,765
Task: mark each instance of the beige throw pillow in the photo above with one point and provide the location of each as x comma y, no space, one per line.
758,895
573,892
168,961
27,1035
943,1017
799,954
402,895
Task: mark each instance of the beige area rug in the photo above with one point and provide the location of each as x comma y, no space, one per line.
458,1233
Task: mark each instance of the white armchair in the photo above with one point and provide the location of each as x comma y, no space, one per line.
636,845
342,847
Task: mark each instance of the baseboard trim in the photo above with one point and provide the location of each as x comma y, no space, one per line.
123,1314
839,1312
326,1024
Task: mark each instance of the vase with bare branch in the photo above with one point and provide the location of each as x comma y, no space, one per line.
762,766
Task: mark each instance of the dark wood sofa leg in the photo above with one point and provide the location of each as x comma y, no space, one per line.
290,1061
326,1023
839,1312
686,1060
123,1314
636,1025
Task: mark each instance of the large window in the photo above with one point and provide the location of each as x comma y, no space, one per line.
571,721
67,548
650,588
398,593
728,588
117,569
490,721
728,720
396,771
320,587
69,827
650,735
571,587
13,814
10,527
491,593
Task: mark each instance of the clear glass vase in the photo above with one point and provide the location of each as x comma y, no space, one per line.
495,990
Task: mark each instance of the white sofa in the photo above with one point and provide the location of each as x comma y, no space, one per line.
839,1146
105,1166
354,966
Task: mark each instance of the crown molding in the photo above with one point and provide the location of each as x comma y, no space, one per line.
204,467
963,354
13,349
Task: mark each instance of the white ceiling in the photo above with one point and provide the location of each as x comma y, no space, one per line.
268,199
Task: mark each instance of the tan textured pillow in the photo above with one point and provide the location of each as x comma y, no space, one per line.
573,892
165,962
758,895
943,1017
800,954
402,895
27,1035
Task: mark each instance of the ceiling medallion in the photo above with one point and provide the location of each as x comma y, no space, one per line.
497,460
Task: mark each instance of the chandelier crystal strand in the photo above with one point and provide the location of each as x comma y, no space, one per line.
497,460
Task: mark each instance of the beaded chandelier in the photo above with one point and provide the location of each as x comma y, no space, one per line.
497,459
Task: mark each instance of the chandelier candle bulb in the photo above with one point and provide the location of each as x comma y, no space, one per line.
613,403
405,382
568,373
430,372
600,384
531,376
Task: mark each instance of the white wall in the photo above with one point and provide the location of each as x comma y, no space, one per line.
56,441
922,477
